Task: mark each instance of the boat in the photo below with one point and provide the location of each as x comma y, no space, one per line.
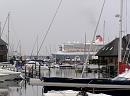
119,86
62,93
3,77
66,65
11,75
36,64
72,93
101,94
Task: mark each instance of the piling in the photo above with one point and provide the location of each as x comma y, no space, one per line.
32,72
25,72
39,71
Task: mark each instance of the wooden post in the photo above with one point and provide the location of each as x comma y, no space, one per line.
39,71
98,68
93,90
35,65
32,72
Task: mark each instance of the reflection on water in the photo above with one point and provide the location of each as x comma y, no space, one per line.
18,88
72,73
22,88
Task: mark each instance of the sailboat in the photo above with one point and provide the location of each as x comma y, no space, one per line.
8,74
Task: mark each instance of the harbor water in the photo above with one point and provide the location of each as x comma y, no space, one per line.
23,88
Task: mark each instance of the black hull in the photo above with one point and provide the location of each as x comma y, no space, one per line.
107,86
113,92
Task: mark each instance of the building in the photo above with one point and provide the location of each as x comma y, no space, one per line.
3,51
110,53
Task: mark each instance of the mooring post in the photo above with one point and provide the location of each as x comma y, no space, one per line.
93,90
32,72
39,71
25,71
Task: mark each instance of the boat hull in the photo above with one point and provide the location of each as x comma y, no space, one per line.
11,74
107,86
3,77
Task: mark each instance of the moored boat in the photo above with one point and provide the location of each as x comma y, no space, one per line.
11,75
119,85
3,77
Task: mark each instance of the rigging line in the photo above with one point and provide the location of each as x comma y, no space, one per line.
18,44
4,26
104,25
33,47
50,26
90,47
0,30
85,48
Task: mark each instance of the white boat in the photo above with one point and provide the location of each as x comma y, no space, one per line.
62,93
11,74
101,94
124,76
56,66
66,65
37,64
72,93
3,77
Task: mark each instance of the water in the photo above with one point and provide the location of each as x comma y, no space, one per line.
22,88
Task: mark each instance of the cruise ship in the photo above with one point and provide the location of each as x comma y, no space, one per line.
76,51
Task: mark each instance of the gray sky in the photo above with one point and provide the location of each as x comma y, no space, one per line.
31,18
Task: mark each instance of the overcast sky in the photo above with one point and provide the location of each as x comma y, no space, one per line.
30,19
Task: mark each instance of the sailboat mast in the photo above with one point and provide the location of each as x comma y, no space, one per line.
0,30
120,35
37,46
8,36
104,25
20,49
85,48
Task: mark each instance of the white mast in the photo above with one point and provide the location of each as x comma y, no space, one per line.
37,47
8,37
120,35
0,30
20,49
